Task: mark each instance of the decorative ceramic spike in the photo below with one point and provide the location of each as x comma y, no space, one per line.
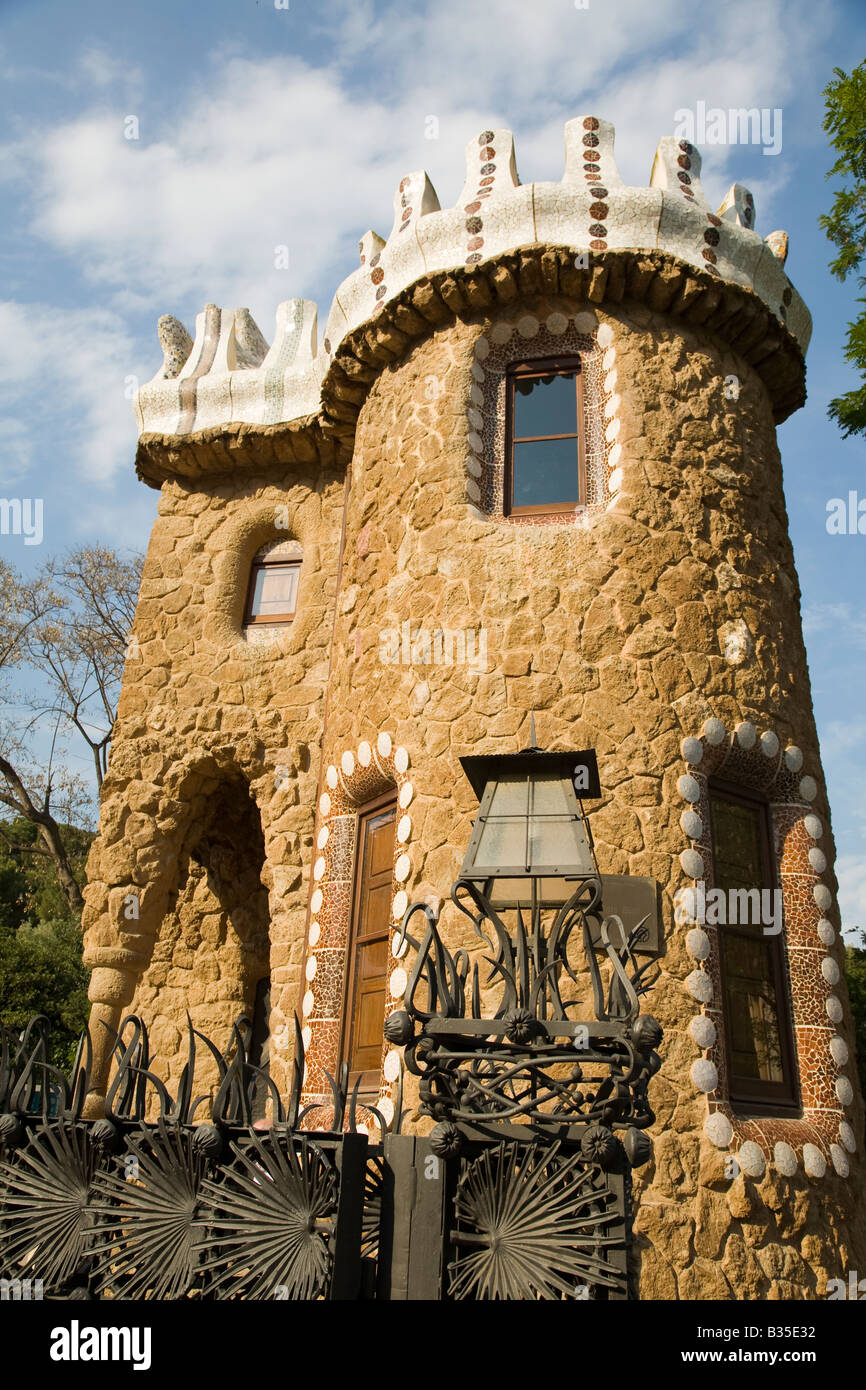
369,246
778,244
738,206
415,197
589,157
176,345
251,346
295,340
677,169
491,167
207,335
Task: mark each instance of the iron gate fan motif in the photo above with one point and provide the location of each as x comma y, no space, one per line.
531,1223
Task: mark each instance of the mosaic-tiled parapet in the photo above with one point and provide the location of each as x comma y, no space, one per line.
229,374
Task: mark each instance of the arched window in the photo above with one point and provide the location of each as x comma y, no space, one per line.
759,1040
273,588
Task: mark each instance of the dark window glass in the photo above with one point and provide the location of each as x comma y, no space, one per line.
545,465
757,1026
364,1018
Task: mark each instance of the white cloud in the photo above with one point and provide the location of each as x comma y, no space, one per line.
62,390
275,151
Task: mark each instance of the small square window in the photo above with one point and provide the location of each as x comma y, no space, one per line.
273,589
545,445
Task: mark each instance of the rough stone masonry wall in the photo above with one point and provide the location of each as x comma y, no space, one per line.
616,632
207,813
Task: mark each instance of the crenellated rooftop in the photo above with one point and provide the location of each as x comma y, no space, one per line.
229,375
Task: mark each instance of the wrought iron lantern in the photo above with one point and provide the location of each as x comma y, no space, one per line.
531,845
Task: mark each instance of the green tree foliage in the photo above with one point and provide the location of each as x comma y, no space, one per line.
41,970
845,224
855,975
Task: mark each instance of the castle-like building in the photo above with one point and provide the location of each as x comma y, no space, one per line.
528,468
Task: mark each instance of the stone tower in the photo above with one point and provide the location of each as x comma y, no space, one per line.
375,554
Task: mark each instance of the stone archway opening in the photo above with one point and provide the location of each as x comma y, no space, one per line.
211,955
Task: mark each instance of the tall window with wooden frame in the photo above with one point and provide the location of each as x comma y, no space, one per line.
757,1014
366,975
273,588
545,446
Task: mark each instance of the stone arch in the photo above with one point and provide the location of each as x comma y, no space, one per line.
177,916
359,777
823,1138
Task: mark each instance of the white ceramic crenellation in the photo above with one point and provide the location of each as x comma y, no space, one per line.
229,374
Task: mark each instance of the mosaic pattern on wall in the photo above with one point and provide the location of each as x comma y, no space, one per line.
823,1136
522,339
361,775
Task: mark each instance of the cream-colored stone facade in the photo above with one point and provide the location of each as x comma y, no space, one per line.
659,626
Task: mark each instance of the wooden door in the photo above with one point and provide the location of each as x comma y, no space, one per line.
368,953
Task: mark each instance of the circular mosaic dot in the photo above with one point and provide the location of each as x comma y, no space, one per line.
808,788
315,933
586,322
324,804
399,905
751,1159
848,1137
475,441
704,1074
482,349
746,734
769,744
793,758
319,868
692,863
308,1003
306,1038
702,1030
692,824
391,1066
614,456
697,943
323,836
718,1129
692,750
476,419
714,731
839,1050
785,1159
830,970
365,754
332,777
384,745
402,868
399,947
839,1159
316,900
700,986
813,827
834,1009
398,982
311,967
688,788
605,335
844,1090
401,760
404,829
405,796
814,1161
556,324
826,931
614,482
609,383
501,332
818,860
528,326
822,895
385,1107
608,359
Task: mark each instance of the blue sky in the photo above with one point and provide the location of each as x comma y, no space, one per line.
261,127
